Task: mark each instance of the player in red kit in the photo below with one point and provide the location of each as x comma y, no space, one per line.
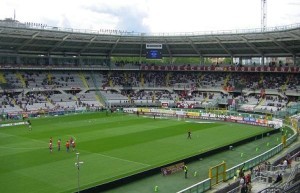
67,146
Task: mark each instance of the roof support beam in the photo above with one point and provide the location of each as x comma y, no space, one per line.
280,44
168,48
28,41
220,43
194,47
114,47
59,43
141,49
251,45
293,34
87,45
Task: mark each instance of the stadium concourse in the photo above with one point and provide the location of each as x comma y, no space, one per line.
49,70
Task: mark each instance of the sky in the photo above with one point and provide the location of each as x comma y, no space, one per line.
152,16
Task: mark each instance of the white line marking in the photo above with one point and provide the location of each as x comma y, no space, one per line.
197,122
3,147
17,136
116,158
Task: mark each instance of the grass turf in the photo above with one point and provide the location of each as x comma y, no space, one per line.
111,147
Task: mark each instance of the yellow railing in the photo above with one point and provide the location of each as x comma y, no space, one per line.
283,87
227,79
261,78
142,80
261,102
49,76
22,80
81,75
2,78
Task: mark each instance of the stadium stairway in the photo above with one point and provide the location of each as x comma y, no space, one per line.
168,78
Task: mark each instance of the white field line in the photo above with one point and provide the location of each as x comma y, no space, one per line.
4,147
116,158
198,122
24,148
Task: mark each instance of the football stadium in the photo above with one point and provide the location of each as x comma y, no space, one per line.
116,111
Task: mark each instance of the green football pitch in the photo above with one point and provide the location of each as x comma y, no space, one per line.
111,146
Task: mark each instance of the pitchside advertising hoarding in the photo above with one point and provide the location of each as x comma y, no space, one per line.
13,124
221,69
275,123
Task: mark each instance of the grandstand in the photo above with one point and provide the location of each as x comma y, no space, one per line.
49,70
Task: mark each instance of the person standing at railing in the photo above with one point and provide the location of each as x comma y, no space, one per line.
284,164
278,179
243,185
248,182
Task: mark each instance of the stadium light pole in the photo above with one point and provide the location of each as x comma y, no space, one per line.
77,164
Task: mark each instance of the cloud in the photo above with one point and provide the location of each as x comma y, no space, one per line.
152,16
125,17
131,19
64,22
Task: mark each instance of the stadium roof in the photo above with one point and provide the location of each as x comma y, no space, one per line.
18,38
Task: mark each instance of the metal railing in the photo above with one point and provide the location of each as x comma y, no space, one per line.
114,32
199,187
230,173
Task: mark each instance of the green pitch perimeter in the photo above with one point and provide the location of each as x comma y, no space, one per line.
111,146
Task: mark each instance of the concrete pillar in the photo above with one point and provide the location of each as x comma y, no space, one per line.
18,59
201,60
50,61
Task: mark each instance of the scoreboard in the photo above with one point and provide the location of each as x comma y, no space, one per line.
153,51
